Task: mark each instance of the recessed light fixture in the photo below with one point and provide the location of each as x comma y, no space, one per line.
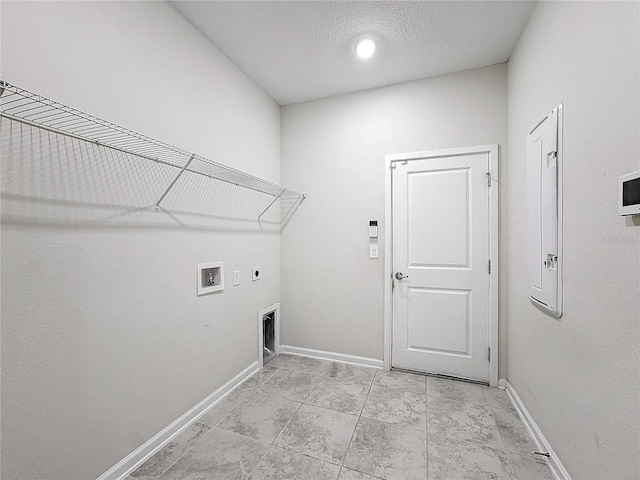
365,47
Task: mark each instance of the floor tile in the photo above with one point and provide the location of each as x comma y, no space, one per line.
387,451
513,432
259,377
262,417
401,381
278,361
467,461
455,390
283,465
170,453
528,467
461,421
221,455
498,398
348,474
291,384
354,373
319,433
405,409
316,366
226,405
313,424
341,395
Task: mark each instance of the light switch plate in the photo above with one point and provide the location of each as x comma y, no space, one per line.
236,277
373,251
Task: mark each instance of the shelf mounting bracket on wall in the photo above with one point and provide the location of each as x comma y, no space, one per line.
31,109
157,206
269,206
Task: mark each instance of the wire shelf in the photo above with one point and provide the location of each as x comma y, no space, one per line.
32,109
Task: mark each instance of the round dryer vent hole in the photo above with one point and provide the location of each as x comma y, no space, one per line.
256,274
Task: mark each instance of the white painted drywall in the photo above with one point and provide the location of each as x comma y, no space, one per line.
579,376
334,149
104,341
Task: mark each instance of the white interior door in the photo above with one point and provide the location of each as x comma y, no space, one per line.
441,245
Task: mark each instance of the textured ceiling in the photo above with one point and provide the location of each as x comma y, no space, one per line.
303,50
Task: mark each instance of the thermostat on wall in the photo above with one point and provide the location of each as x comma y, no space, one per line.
629,194
373,229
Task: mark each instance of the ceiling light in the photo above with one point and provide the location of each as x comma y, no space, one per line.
365,47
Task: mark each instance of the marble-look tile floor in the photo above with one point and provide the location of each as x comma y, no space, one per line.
308,419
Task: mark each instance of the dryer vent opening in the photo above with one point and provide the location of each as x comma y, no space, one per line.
269,336
268,333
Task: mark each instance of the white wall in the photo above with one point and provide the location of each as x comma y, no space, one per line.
579,376
334,150
104,341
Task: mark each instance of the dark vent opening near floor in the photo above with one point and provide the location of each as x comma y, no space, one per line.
269,336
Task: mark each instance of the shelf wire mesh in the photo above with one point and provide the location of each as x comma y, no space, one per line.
32,109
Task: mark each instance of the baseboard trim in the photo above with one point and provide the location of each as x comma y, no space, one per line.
557,469
136,458
337,357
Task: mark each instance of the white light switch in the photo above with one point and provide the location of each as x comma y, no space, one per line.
236,277
373,251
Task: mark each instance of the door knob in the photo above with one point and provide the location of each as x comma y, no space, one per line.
400,276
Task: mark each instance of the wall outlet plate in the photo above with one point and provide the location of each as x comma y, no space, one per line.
256,274
210,277
236,277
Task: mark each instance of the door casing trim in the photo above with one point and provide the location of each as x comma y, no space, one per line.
494,163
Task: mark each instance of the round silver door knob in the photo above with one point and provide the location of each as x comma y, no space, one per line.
400,276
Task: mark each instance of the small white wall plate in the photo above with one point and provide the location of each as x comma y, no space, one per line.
256,274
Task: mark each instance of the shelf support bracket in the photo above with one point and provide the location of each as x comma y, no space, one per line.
157,205
298,201
269,206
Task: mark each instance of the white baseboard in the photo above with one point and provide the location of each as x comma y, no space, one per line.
557,469
337,357
136,458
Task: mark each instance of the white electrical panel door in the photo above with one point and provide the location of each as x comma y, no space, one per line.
544,215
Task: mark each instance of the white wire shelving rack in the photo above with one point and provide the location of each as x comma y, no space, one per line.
35,110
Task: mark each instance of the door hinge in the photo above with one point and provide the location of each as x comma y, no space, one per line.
489,267
489,354
488,179
392,166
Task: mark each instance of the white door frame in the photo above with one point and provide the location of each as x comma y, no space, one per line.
494,152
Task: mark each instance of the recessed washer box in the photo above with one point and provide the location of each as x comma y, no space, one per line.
210,277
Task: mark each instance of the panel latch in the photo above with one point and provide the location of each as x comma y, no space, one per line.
551,262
